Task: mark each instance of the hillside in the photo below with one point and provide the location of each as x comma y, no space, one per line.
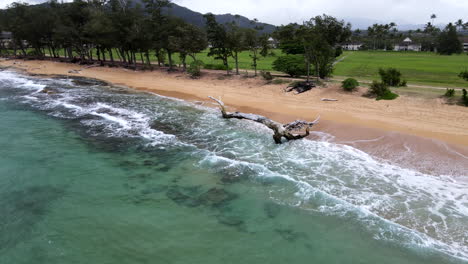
197,19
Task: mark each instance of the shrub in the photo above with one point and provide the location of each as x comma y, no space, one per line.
219,67
450,93
388,95
391,77
266,75
381,91
293,65
465,97
194,69
464,75
350,84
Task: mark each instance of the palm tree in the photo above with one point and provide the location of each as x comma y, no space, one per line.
459,24
433,17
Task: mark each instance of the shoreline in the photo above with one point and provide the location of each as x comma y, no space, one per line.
422,134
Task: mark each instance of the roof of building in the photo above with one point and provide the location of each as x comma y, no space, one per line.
5,35
407,40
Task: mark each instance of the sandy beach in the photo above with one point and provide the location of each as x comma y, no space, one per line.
415,126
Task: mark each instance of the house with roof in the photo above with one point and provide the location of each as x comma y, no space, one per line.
464,41
352,46
5,36
408,45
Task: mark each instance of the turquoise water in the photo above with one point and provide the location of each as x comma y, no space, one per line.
98,174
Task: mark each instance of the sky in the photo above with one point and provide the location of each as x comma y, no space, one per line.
358,12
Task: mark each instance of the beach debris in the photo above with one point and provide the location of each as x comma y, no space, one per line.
280,130
74,71
329,100
300,87
48,91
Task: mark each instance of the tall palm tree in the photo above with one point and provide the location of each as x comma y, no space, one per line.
459,24
433,17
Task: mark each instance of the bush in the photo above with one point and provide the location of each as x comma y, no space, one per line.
391,77
388,95
219,67
194,69
381,91
293,65
266,75
465,98
450,93
350,84
464,75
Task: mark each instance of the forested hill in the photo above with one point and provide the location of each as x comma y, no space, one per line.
197,19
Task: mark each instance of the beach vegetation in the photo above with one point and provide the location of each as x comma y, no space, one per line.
449,93
266,75
391,77
381,91
293,65
350,84
194,69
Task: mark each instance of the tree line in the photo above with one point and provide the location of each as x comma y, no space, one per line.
445,40
131,30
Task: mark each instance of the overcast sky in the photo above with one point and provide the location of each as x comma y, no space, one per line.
279,12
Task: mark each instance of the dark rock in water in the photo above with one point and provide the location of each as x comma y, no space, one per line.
271,209
21,210
151,190
180,198
229,178
149,163
216,196
176,195
81,81
127,163
142,177
289,234
230,220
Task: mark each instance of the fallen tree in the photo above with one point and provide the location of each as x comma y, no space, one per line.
279,130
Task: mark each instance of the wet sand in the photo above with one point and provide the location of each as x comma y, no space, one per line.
417,133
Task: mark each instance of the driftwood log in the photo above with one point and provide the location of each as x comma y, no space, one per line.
279,130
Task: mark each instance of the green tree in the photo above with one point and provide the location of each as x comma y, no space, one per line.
218,40
448,42
257,46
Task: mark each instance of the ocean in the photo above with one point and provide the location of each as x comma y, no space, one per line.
95,173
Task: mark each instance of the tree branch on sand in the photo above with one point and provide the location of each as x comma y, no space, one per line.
279,130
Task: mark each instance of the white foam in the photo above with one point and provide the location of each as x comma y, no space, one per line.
394,203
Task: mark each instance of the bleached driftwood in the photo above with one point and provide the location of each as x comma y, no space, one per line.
279,130
329,100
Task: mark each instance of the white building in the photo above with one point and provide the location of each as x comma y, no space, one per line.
464,42
352,46
408,45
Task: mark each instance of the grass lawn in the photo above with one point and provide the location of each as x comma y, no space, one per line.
418,68
421,68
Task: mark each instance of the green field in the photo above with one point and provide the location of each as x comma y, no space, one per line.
420,68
